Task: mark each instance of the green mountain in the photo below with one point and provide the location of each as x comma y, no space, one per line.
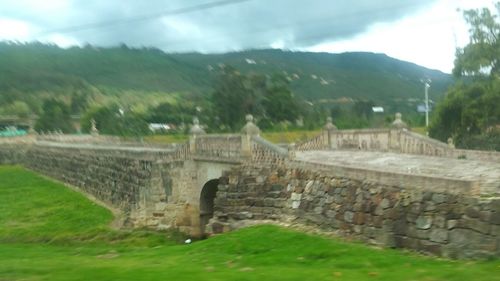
318,77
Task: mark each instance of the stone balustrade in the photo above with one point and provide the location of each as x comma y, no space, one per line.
264,151
218,146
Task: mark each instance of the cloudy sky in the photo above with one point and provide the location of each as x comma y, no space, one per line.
425,32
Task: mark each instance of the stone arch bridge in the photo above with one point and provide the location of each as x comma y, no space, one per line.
388,187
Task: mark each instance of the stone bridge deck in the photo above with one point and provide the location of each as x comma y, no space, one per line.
486,174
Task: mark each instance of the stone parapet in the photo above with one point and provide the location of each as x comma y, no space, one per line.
78,138
127,178
391,140
220,146
264,151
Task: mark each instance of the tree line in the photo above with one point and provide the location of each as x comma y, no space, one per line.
267,97
470,111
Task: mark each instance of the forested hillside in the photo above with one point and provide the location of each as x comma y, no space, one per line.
35,68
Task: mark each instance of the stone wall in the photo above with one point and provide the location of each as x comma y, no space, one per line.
481,155
154,187
13,149
448,222
124,178
12,154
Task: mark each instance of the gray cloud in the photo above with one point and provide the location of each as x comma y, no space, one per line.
252,24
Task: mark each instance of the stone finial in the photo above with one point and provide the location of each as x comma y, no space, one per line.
93,128
196,128
399,123
32,131
329,124
450,143
250,128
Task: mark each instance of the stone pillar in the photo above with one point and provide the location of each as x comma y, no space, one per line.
249,130
328,129
93,128
395,133
195,130
31,129
450,143
399,123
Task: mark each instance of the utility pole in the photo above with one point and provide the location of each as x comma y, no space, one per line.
427,86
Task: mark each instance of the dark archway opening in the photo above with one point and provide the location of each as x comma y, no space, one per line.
207,196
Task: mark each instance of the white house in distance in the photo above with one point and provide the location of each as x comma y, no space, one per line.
377,109
158,127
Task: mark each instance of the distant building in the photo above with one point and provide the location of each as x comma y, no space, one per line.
378,109
250,61
421,108
158,127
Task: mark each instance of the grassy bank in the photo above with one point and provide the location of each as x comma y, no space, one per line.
49,232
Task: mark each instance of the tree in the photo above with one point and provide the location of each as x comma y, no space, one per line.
279,102
267,98
470,112
233,98
56,116
171,113
17,108
79,102
363,109
482,54
112,120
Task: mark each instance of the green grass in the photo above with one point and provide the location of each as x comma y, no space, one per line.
275,137
420,130
290,136
34,209
49,232
172,138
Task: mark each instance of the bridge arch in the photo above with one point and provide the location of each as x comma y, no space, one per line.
207,197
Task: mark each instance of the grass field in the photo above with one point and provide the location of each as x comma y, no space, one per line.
276,137
49,232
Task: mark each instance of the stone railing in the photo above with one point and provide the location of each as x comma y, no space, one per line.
263,151
116,150
78,138
362,139
182,152
391,140
412,143
319,142
218,146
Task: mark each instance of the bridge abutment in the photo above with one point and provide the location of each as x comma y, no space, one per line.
412,214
